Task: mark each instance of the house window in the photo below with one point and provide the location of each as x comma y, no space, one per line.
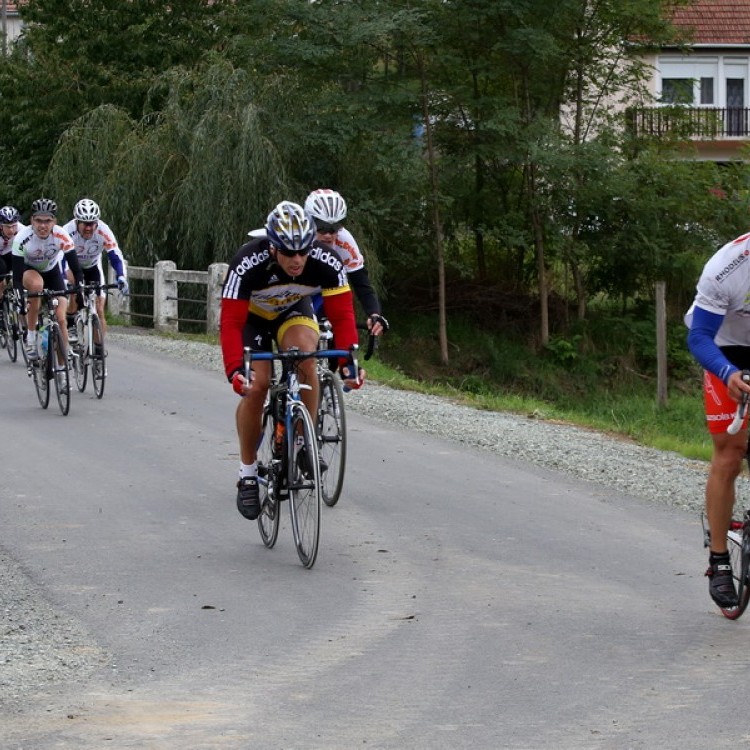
677,90
707,90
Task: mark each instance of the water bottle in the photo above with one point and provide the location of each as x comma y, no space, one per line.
44,340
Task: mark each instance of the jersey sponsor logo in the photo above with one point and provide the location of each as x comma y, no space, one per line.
732,266
719,417
327,257
251,261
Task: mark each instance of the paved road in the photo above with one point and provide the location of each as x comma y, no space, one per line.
459,600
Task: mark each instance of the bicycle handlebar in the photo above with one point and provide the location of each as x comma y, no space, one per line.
742,406
295,355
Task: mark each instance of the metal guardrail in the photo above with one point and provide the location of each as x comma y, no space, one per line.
689,122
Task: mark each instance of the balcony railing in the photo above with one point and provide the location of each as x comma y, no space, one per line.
689,122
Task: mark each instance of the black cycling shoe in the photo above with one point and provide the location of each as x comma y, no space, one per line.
721,582
248,497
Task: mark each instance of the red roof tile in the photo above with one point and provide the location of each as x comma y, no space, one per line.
715,21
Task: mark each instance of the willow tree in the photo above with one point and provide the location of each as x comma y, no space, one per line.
185,182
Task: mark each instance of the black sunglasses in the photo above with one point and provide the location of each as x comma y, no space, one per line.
88,223
291,253
324,228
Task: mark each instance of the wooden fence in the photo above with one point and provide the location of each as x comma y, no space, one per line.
166,278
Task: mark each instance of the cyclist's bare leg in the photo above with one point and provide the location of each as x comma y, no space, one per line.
250,412
60,312
100,312
32,282
726,464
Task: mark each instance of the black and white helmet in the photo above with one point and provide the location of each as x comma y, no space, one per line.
326,205
290,227
86,210
44,206
8,215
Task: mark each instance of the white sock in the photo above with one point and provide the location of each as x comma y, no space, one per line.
249,470
31,338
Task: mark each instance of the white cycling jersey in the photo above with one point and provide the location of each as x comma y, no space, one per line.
42,255
6,245
89,252
724,289
345,245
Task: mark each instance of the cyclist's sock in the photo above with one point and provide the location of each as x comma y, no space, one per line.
249,470
70,319
718,557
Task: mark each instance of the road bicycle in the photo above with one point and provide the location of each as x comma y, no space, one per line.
738,535
88,351
331,419
12,330
288,458
51,365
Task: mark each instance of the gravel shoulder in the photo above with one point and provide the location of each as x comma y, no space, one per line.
42,647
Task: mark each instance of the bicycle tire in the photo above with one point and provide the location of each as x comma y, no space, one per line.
738,544
4,333
81,356
58,365
14,331
268,520
10,329
40,376
305,494
98,356
332,436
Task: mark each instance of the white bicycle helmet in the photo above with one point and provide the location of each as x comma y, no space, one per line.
326,205
86,210
289,227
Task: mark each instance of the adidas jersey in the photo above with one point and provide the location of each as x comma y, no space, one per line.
269,291
724,289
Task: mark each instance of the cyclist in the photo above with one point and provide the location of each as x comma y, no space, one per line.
267,297
328,208
719,338
92,237
37,253
9,228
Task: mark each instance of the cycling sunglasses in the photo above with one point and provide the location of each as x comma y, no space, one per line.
324,228
291,253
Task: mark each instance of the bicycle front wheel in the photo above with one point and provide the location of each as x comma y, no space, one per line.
305,494
331,437
738,544
268,520
58,358
40,375
81,356
98,356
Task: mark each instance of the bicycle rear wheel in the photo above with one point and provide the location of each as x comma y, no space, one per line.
332,436
738,544
58,359
98,356
305,494
268,520
81,356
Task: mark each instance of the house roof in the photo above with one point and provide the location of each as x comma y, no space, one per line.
716,22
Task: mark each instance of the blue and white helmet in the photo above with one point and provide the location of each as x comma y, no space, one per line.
8,215
290,227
